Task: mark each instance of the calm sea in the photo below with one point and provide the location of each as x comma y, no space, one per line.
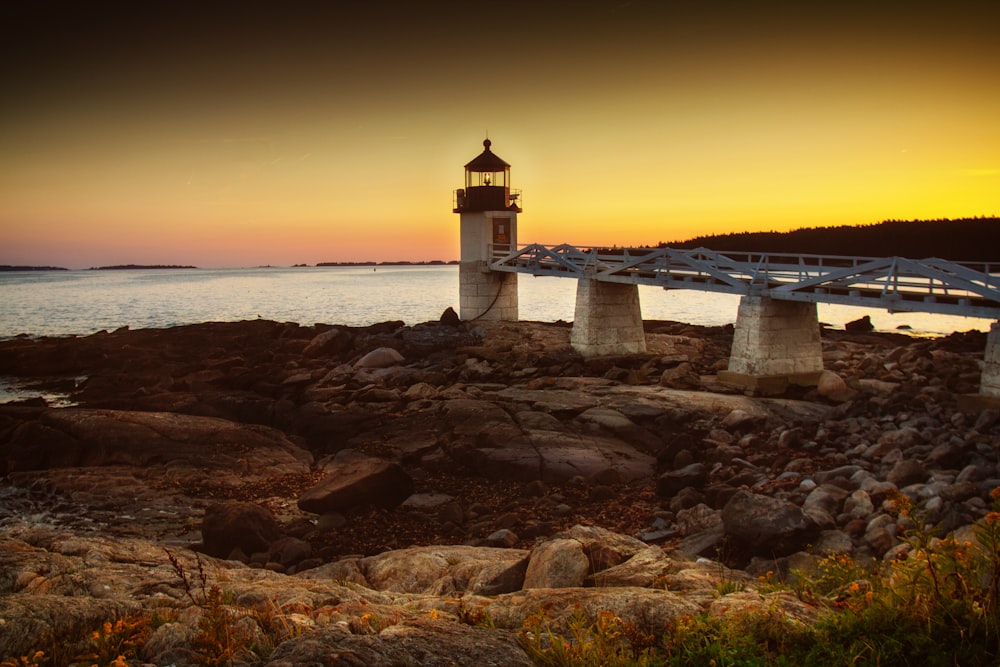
59,303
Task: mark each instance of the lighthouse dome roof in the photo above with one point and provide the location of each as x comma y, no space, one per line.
487,160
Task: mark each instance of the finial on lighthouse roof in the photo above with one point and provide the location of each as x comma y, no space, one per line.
487,161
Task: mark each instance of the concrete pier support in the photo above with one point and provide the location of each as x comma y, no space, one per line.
775,343
988,397
485,294
989,382
608,319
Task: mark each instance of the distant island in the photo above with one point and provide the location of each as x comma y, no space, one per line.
960,240
8,267
131,267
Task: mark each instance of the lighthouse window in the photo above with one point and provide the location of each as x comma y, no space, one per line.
488,178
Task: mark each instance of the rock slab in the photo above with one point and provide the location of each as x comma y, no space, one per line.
365,481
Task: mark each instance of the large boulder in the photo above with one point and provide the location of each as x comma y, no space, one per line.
761,525
828,497
906,472
833,387
330,342
647,608
421,642
672,482
382,357
446,570
571,555
74,437
450,318
557,563
642,569
235,525
538,445
860,325
602,547
358,481
556,457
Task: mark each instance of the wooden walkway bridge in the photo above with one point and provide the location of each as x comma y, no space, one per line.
896,284
776,340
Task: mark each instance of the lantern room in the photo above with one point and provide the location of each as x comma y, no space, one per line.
487,185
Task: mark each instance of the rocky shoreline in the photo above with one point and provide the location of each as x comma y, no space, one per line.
452,466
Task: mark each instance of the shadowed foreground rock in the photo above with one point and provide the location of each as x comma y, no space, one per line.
71,437
235,525
384,491
420,643
394,610
760,524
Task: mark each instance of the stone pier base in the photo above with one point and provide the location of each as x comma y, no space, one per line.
775,344
989,383
988,397
608,319
485,294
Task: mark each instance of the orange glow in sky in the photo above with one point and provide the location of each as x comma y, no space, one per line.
132,134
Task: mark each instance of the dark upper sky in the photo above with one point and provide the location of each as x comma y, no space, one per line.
169,125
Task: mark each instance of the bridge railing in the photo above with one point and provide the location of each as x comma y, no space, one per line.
895,283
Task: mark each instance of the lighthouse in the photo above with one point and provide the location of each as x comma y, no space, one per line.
487,209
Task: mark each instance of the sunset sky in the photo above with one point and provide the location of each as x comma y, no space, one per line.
162,132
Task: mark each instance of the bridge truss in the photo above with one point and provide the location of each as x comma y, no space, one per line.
896,284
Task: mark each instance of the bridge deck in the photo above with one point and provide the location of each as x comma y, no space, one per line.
893,283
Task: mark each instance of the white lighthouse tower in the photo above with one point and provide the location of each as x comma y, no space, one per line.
487,209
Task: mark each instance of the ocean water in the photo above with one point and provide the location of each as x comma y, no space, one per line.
61,303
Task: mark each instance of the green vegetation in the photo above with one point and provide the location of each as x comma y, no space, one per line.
937,606
114,642
607,641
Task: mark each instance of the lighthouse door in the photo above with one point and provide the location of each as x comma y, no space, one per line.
501,236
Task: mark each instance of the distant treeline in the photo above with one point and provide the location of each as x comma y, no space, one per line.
964,239
433,262
8,267
129,267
